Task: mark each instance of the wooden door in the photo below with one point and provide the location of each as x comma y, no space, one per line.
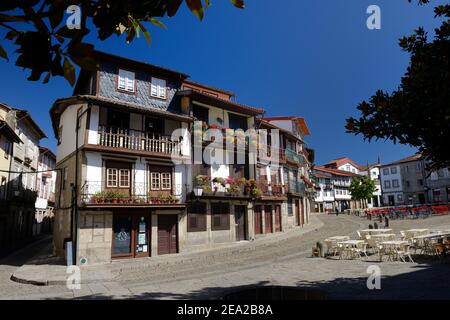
268,219
297,212
277,218
239,216
258,220
167,234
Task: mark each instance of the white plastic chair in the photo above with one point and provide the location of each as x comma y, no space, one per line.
404,252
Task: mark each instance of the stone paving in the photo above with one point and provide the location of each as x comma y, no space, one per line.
282,260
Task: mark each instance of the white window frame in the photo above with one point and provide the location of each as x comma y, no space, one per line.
155,175
111,183
126,80
127,185
158,88
166,185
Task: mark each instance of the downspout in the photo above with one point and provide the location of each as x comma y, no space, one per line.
75,217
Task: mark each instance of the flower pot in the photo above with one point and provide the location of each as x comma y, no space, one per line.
198,192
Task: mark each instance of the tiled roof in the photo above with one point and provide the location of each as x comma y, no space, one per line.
335,171
226,104
341,161
300,121
414,157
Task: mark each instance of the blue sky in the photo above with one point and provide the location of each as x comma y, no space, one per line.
315,59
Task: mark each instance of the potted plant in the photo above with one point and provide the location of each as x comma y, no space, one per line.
201,182
218,181
256,192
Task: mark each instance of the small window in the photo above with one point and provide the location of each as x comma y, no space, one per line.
387,184
124,178
399,197
158,88
196,217
386,171
166,181
393,170
126,80
395,183
290,210
111,178
155,180
420,182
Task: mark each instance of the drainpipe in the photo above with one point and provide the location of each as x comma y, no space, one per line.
75,218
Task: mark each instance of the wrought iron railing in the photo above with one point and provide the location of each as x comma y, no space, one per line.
115,137
96,192
295,157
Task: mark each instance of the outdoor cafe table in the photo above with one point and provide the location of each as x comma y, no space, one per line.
347,245
411,233
376,231
433,235
382,236
338,238
389,247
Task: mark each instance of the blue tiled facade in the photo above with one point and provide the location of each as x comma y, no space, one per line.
108,88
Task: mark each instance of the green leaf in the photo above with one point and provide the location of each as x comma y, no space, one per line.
196,7
238,3
207,4
69,71
145,32
157,23
3,53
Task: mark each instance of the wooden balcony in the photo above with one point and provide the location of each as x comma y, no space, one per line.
134,140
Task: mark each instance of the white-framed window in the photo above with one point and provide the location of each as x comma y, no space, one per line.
387,184
111,178
166,181
394,170
155,181
124,178
386,171
126,80
158,88
395,183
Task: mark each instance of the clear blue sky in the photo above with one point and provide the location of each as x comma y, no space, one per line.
315,59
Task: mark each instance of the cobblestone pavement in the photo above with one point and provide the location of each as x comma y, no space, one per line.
281,261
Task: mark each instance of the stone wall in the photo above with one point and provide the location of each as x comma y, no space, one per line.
94,237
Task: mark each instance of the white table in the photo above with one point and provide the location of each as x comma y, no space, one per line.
338,238
346,247
390,248
376,231
383,235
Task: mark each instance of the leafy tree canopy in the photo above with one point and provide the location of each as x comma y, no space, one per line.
418,112
362,188
45,44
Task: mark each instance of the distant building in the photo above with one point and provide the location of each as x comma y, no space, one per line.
403,181
373,172
18,212
45,187
438,186
344,164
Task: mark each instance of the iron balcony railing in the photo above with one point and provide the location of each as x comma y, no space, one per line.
96,192
115,137
295,157
296,187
